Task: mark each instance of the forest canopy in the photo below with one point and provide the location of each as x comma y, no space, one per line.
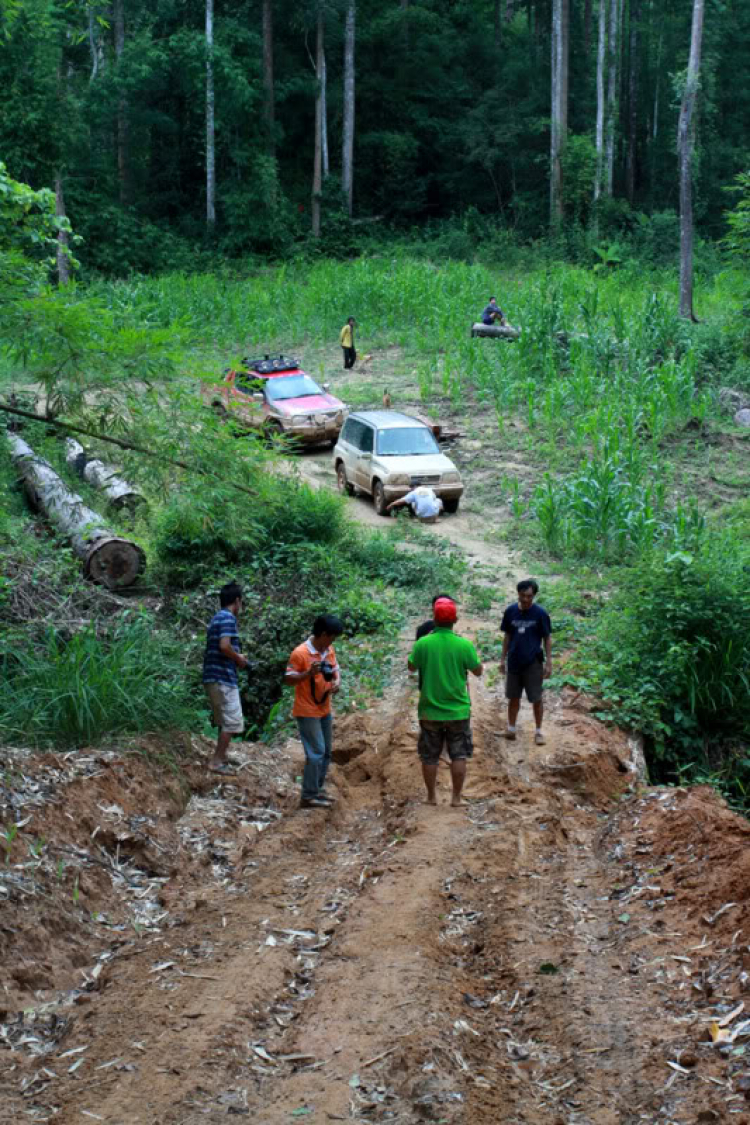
240,126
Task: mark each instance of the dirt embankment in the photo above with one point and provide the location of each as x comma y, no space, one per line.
179,951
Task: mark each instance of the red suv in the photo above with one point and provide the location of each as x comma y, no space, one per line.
273,394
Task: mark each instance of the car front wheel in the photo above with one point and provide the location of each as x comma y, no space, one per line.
378,499
345,488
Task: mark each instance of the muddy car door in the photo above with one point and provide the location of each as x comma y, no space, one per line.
363,467
248,399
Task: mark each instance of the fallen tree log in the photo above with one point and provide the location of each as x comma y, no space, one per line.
120,493
108,559
499,331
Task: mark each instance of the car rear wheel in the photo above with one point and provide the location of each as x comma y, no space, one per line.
378,498
451,506
345,488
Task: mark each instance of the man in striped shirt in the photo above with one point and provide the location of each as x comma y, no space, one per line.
221,660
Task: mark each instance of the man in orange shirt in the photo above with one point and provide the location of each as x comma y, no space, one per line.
314,672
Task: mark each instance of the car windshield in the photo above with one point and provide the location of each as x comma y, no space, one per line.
406,442
296,386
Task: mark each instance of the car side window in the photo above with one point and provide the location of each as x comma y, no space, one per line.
367,442
352,432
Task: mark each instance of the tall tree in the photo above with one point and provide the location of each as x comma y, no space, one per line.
123,130
559,97
685,147
317,183
63,235
210,129
612,87
633,75
601,54
269,108
347,145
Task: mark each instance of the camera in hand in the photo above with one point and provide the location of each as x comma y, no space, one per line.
327,671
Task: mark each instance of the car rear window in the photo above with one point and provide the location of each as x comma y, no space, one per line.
406,441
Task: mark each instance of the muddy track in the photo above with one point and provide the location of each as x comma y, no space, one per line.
552,953
390,961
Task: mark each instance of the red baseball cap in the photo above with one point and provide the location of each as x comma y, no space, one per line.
444,611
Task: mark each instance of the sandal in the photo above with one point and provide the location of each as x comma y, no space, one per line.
223,768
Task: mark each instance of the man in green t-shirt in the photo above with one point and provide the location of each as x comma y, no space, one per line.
443,659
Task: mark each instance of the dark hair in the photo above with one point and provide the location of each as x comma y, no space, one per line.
229,594
327,623
528,584
440,596
493,298
349,319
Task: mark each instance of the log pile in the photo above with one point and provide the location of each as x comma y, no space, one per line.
107,558
120,493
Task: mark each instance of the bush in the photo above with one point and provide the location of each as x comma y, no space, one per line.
671,655
205,528
74,691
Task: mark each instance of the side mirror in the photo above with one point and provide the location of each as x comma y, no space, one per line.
326,386
258,396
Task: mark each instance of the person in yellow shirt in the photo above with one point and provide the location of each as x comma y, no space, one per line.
347,343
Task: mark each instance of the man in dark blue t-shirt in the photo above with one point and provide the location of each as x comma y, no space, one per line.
493,314
526,628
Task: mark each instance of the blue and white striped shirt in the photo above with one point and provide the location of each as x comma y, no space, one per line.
217,668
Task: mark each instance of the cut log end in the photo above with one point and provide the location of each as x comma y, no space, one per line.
114,562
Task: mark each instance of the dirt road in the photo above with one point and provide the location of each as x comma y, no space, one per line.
534,957
178,951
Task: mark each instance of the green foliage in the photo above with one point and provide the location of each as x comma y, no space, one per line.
206,526
737,240
612,508
75,690
671,656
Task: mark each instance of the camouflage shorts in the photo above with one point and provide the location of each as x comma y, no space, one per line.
454,734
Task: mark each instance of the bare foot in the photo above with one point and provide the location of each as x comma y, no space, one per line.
430,800
457,803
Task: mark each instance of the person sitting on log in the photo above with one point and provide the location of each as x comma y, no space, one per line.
493,314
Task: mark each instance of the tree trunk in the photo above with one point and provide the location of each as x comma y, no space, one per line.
600,60
106,558
63,239
611,109
633,100
685,146
269,106
123,124
587,27
559,98
120,494
210,133
324,117
347,147
317,183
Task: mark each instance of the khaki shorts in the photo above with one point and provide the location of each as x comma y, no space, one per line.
227,709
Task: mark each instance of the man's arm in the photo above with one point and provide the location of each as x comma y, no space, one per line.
548,654
225,648
504,653
396,503
478,670
293,676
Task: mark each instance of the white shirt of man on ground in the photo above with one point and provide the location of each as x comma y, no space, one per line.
422,501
